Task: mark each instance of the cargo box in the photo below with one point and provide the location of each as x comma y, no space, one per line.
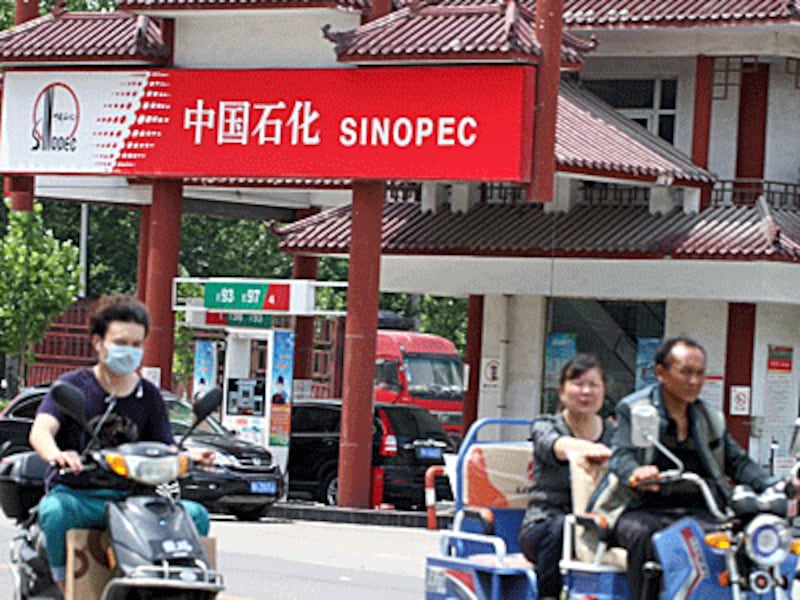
21,483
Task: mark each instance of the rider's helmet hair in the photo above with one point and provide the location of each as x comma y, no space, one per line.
579,364
664,351
117,307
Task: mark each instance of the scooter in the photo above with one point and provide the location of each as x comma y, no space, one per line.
748,552
154,550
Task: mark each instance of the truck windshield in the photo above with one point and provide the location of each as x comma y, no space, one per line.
434,376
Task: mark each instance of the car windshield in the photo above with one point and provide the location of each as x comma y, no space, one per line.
434,376
414,424
181,416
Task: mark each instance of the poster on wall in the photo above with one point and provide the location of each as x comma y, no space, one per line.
645,365
713,392
561,348
281,386
780,397
205,366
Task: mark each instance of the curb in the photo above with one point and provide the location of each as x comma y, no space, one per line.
359,516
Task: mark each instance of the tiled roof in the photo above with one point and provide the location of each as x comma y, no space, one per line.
592,136
86,37
733,233
680,13
194,5
452,29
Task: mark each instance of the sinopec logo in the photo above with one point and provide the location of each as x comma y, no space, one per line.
56,114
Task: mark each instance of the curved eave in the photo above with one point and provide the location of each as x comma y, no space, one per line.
177,9
478,56
631,172
683,23
776,256
52,60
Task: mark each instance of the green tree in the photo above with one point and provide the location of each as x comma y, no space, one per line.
38,282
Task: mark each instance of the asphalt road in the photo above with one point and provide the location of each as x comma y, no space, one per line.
282,559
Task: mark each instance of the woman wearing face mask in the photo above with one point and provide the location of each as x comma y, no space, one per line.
118,326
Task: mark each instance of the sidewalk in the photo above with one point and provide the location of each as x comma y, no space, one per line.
309,511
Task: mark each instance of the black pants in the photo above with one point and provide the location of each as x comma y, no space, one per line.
541,543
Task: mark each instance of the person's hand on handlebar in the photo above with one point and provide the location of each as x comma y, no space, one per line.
646,478
67,460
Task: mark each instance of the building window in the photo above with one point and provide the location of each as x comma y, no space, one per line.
650,102
622,334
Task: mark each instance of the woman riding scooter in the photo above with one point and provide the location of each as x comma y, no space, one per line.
118,326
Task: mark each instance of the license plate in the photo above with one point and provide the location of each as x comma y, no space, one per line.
429,452
263,487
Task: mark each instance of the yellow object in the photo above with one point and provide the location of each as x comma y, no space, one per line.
718,540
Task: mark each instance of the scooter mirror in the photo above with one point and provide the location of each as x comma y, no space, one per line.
70,400
207,403
644,425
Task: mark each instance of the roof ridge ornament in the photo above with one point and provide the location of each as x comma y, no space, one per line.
60,8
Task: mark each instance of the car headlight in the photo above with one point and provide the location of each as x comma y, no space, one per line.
146,469
223,459
767,540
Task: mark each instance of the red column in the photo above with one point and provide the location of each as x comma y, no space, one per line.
474,343
739,363
549,31
355,450
25,11
701,127
752,132
144,247
162,266
305,267
20,189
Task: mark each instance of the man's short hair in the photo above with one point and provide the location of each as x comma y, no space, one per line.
118,307
664,351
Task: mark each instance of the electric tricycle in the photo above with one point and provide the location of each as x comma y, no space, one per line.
747,552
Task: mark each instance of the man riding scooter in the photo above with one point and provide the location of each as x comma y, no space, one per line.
630,496
135,411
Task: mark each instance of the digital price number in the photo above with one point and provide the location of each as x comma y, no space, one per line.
247,296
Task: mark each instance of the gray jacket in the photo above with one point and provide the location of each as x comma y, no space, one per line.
550,490
719,453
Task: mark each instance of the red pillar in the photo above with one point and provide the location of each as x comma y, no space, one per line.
144,247
162,266
355,449
20,189
25,11
701,127
739,363
549,31
305,267
752,132
474,343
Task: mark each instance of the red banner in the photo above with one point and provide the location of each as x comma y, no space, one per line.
471,123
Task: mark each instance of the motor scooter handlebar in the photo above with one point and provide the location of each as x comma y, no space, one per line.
675,475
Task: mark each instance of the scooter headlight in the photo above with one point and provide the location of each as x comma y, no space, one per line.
767,540
146,469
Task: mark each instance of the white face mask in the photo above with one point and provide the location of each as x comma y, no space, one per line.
123,360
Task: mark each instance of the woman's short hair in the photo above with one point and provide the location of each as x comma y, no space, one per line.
579,364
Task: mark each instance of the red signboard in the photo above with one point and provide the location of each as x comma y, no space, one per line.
470,123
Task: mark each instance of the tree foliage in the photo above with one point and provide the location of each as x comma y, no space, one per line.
38,282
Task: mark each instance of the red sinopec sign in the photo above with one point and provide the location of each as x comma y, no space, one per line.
471,123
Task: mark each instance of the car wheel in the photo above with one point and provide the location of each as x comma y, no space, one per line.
249,514
329,489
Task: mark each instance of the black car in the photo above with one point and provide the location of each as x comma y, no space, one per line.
243,481
406,441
